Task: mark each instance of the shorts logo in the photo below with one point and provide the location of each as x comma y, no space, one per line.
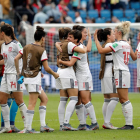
83,85
76,83
115,45
13,84
124,85
116,82
10,49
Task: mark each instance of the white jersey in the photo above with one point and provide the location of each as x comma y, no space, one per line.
82,68
121,54
9,52
108,62
68,72
138,61
36,80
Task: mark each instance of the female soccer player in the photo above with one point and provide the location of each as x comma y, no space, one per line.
107,78
84,79
121,52
34,56
9,50
67,82
11,102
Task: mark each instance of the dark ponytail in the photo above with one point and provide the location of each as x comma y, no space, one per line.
78,27
63,32
39,33
102,34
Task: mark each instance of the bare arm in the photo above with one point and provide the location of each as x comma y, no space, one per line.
89,45
99,47
19,56
49,70
2,62
68,63
133,55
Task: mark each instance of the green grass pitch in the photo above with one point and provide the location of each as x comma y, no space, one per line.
101,134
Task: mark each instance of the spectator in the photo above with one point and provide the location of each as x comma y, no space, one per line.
123,4
47,7
55,13
93,20
78,18
138,19
5,8
36,5
88,20
98,4
68,20
40,17
22,37
83,4
115,20
114,4
75,5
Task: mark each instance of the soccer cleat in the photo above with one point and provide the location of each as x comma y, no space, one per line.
138,127
6,130
67,127
82,127
60,128
32,131
22,131
127,127
14,129
94,126
46,129
1,128
109,126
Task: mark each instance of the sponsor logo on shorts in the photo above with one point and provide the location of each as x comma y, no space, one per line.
124,85
13,84
116,82
76,83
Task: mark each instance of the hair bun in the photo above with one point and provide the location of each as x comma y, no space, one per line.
100,34
39,28
75,27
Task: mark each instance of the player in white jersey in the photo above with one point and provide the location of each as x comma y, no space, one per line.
9,84
121,52
107,78
67,82
33,56
85,83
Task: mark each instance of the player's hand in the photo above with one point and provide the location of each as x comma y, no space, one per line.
56,75
42,75
59,61
95,34
89,35
18,75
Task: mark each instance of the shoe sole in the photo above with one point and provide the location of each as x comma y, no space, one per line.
46,130
108,128
95,128
68,129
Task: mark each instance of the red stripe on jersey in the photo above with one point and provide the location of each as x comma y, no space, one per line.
76,57
20,52
44,59
112,48
73,48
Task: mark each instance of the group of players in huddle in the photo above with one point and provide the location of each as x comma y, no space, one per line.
73,77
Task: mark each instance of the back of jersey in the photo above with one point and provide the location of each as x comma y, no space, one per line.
121,54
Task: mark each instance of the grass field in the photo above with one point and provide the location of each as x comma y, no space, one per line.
101,134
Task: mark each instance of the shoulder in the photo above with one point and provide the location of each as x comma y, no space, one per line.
108,44
15,41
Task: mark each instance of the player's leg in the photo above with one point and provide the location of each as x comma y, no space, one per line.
42,111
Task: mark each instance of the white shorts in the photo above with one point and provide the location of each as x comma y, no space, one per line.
9,83
85,86
33,88
138,82
108,85
65,83
122,79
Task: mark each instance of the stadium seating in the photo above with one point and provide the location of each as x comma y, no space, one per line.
100,20
83,14
7,21
135,5
129,13
105,14
132,20
138,12
124,19
71,14
118,13
93,14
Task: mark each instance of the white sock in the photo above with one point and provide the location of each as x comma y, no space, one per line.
127,110
110,108
70,108
104,107
61,109
23,110
42,112
85,114
80,113
90,110
30,115
6,114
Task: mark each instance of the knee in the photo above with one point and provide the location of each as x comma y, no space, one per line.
121,100
19,101
85,101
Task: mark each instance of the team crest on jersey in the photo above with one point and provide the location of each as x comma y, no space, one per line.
115,45
10,49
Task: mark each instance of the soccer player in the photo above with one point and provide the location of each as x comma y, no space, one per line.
34,56
107,78
67,82
9,49
121,52
11,101
84,82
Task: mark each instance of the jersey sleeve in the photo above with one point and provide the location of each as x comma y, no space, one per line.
138,47
77,55
19,48
44,56
71,47
115,46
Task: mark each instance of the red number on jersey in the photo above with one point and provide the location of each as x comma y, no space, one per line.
116,82
4,55
126,57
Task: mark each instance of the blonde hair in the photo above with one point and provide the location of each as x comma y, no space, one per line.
124,28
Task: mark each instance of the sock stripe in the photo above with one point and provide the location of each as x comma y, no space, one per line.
88,105
30,111
106,100
74,98
3,105
79,106
21,105
127,102
63,98
115,99
42,107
